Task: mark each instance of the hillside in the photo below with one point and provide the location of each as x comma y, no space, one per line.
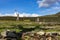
49,22
47,18
51,18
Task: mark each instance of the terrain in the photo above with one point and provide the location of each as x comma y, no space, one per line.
46,23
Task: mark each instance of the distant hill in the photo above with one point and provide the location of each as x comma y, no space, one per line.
57,14
51,18
46,18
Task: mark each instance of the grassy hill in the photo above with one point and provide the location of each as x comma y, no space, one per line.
9,22
46,18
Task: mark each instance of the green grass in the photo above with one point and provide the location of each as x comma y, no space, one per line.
17,30
10,24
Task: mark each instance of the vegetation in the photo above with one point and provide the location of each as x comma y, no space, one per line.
19,26
9,22
47,18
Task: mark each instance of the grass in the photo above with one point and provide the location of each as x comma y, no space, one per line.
17,30
9,24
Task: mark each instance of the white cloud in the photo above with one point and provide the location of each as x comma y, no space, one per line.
7,14
56,8
34,15
28,15
52,9
48,3
20,14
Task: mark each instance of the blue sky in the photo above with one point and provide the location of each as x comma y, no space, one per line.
29,7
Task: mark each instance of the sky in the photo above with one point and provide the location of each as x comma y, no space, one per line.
29,7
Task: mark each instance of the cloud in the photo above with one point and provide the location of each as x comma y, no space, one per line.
48,3
52,9
49,11
56,8
20,14
28,15
49,6
7,14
